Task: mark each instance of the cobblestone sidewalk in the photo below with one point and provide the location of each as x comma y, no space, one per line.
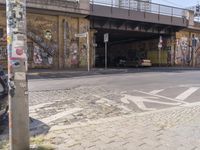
87,118
173,129
95,117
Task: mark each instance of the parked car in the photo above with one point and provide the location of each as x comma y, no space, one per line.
145,63
3,93
139,62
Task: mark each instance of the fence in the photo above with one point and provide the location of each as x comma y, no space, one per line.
143,7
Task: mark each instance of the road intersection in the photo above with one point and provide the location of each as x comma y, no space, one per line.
146,108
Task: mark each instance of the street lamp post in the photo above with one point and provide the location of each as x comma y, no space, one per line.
17,69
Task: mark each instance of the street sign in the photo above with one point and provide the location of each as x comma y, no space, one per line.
106,37
160,42
81,35
159,45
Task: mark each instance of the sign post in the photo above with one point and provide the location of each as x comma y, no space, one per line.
17,70
86,35
106,39
159,50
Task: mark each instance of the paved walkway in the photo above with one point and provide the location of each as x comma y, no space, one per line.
74,120
172,129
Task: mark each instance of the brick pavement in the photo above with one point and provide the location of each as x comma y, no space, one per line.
93,117
172,129
95,120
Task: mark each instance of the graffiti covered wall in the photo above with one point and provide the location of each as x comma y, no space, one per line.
42,40
3,44
185,51
51,41
73,49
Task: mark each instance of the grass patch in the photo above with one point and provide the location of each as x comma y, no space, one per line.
39,143
4,145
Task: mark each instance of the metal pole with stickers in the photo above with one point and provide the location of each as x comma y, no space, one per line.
17,70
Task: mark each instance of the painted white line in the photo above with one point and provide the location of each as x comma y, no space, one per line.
60,115
171,99
32,108
108,102
187,93
139,101
125,100
156,91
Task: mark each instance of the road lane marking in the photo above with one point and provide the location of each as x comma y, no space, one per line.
34,107
60,115
110,102
125,100
171,99
187,93
139,101
156,91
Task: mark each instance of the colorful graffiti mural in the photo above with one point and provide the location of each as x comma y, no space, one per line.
183,52
74,52
40,56
42,35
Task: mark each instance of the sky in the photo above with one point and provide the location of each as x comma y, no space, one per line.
177,3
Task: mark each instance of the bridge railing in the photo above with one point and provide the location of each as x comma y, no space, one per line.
60,3
143,7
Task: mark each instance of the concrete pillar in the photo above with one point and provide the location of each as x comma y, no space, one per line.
60,42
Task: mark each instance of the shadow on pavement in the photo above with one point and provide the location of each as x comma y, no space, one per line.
36,128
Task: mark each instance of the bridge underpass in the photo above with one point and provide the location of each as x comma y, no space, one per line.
135,32
130,41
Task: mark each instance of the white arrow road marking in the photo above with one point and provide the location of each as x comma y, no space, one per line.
125,100
139,101
187,93
171,99
156,91
110,102
60,115
33,108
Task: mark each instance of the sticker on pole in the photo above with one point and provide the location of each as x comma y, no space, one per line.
18,46
18,49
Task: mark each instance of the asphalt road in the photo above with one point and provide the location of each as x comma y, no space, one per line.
145,91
